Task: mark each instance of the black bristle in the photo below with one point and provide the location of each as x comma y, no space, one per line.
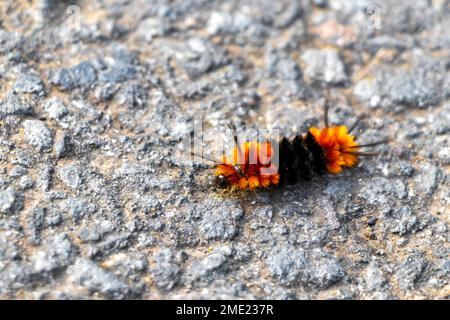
303,158
319,162
286,160
298,158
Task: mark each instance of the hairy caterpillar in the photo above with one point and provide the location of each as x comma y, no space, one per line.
329,149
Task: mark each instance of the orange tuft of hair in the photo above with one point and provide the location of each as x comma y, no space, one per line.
244,170
339,146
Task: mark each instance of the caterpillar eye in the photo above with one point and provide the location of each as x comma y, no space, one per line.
221,182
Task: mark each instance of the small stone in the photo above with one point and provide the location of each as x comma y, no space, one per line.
23,157
287,264
45,177
87,274
264,212
372,221
62,145
18,171
78,208
128,264
401,221
56,254
282,66
118,73
375,101
374,279
63,79
9,201
366,90
10,41
81,76
410,89
29,84
419,86
121,54
148,204
288,69
220,22
14,276
410,270
26,182
70,176
55,108
402,242
201,56
87,235
146,241
219,220
204,270
324,66
153,27
315,269
53,218
37,134
114,243
15,106
133,96
286,13
324,270
35,221
105,91
427,178
84,74
226,23
379,190
97,232
165,272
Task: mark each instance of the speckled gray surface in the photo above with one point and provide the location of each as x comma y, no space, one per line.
95,97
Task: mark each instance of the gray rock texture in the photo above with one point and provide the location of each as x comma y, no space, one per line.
96,204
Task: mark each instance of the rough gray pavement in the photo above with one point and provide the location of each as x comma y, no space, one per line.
95,97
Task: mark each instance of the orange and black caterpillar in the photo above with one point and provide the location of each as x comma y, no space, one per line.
330,149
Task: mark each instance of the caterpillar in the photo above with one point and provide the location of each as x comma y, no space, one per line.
329,149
